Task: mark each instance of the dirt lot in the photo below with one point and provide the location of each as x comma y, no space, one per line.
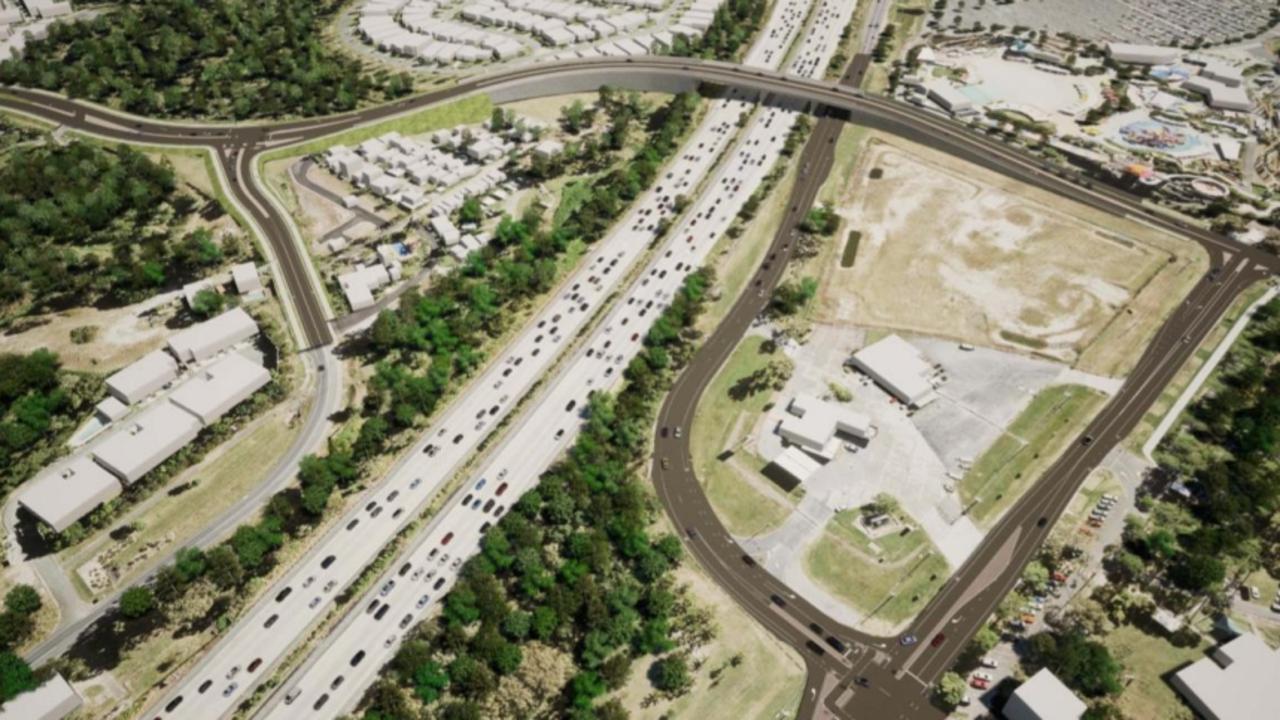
951,250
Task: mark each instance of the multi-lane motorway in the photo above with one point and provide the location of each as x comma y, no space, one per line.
893,678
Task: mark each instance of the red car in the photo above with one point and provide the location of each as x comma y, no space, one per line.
979,683
937,640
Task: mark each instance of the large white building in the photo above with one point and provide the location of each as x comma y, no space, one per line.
1235,683
813,425
68,491
1143,54
214,390
53,700
146,441
899,368
211,337
142,377
1043,697
1218,94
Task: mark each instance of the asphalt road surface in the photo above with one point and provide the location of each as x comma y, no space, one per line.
895,679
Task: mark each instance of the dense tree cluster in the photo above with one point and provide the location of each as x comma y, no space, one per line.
16,677
1226,456
790,296
16,621
1084,665
202,58
79,223
572,565
732,27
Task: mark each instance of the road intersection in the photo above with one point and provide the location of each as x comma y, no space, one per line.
851,674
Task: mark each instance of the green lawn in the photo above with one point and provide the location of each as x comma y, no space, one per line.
743,506
1147,660
1055,416
471,109
893,586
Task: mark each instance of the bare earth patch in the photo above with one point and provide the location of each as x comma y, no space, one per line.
951,250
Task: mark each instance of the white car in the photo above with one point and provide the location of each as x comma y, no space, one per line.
989,663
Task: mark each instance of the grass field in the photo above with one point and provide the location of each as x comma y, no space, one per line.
230,472
1055,416
467,110
745,507
1147,660
765,686
890,587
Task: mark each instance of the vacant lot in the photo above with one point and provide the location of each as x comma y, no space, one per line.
887,580
1031,443
1148,660
746,502
949,249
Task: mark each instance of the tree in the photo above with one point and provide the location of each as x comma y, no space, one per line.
224,567
671,675
470,212
15,676
1082,664
1036,576
136,602
429,681
15,628
951,690
22,600
1197,572
207,303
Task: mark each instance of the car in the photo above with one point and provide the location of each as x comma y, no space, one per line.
204,686
908,640
336,682
422,601
315,601
665,464
501,489
446,539
230,689
416,482
271,620
387,588
307,583
293,695
679,432
480,485
330,585
391,640
355,659
404,569
417,574
983,676
404,621
1254,592
989,663
938,640
382,612
324,564
979,684
257,663
1275,606
235,670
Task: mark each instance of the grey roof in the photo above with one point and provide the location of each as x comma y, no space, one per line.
68,491
213,336
900,367
53,700
143,376
146,441
1044,697
1236,684
214,390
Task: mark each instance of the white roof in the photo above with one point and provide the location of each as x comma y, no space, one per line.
66,492
1238,683
900,367
218,388
444,229
1044,697
246,277
212,336
53,700
796,463
147,441
143,376
1144,54
111,408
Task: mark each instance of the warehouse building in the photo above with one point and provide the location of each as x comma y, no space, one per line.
67,492
1234,683
1143,54
1219,95
218,388
1043,697
950,98
813,424
143,377
53,700
148,440
213,336
898,367
794,467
